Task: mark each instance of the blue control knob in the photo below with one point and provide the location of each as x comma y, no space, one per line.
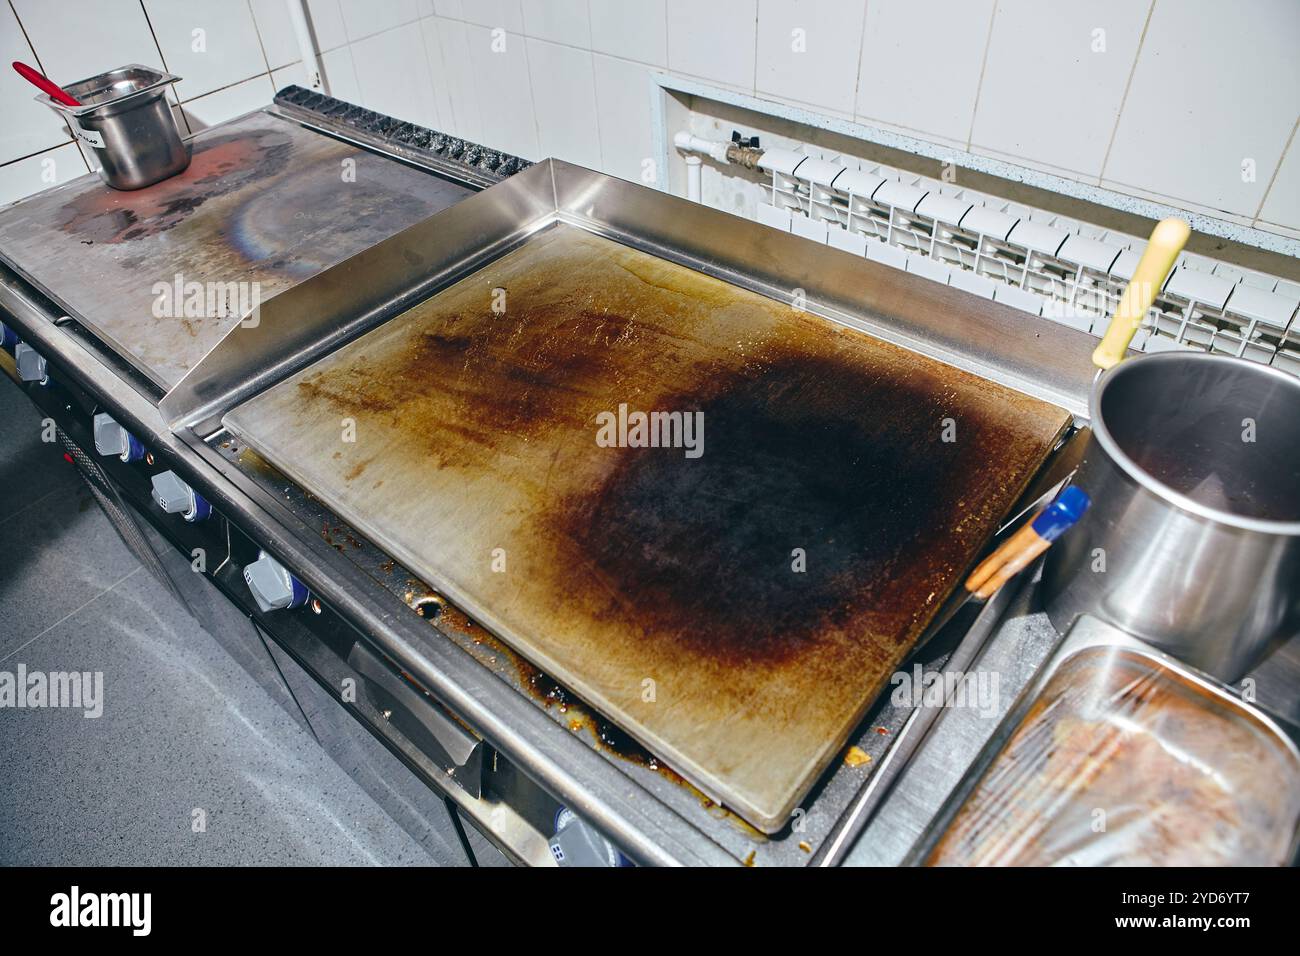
8,337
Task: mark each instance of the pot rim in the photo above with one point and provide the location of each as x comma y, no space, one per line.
1154,485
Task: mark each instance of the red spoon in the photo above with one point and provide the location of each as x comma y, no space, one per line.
42,82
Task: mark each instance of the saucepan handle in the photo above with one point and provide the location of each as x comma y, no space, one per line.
1018,551
1166,242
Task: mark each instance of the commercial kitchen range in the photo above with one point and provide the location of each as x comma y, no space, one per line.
382,446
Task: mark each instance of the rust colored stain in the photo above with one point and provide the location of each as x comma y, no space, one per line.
219,166
263,202
767,589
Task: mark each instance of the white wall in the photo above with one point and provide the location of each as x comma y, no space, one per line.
1159,98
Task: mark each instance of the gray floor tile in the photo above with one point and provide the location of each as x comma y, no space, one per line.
183,727
30,468
55,555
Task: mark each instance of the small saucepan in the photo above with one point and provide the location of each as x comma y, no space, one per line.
1186,505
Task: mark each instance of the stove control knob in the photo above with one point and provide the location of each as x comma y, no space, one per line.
272,586
577,843
112,439
32,366
177,498
8,337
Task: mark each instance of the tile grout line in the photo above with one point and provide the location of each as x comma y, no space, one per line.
591,62
1263,200
979,83
862,45
180,106
32,504
74,611
41,66
1123,100
261,45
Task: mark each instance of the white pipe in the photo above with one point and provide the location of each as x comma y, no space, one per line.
692,146
306,45
694,168
697,144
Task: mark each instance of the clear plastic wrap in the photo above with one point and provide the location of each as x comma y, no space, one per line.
1122,761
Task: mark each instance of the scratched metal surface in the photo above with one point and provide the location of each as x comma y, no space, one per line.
475,444
263,201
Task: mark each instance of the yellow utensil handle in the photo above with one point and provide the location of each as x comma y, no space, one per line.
1167,240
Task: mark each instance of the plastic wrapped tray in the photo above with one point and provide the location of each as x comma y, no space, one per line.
1123,757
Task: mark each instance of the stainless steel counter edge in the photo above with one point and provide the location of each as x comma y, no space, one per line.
644,828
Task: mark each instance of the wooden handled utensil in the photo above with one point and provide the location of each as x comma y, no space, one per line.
1019,551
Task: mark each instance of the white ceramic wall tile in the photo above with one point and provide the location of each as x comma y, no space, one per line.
921,64
75,39
278,39
209,45
28,126
808,51
1045,60
35,173
441,90
1237,74
456,77
228,103
714,40
1282,205
363,18
564,94
507,14
623,93
1030,163
504,93
393,75
634,31
340,75
562,21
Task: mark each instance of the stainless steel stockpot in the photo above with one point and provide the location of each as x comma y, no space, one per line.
1192,542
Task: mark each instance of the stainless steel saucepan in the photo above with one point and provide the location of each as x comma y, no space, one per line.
1192,542
1186,506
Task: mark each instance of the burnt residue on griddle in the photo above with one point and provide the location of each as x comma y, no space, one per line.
549,692
631,564
816,440
220,165
801,451
477,378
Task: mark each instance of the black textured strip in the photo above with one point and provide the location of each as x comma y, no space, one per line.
443,146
